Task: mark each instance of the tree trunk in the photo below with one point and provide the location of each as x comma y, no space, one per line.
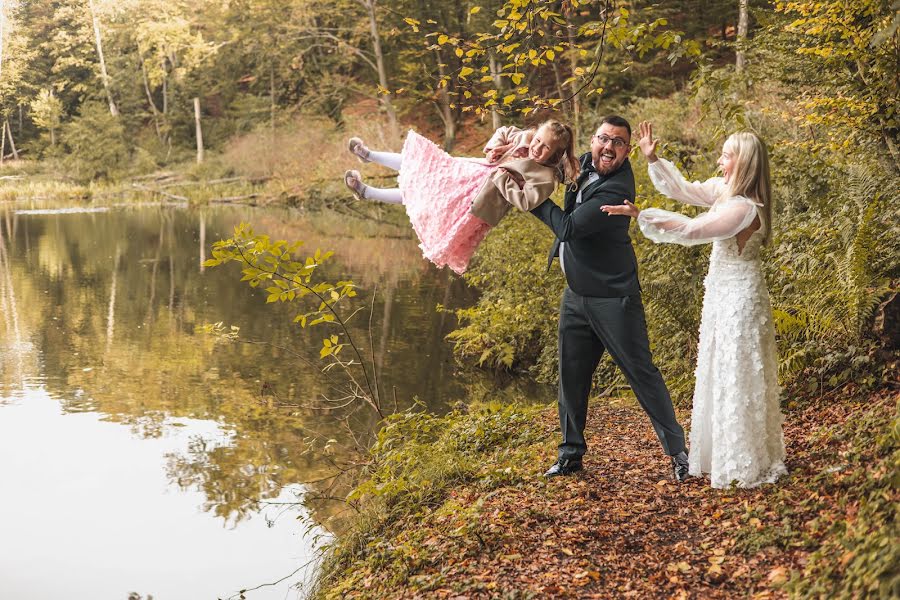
559,89
444,109
165,90
498,84
150,101
382,71
2,143
573,64
12,143
167,133
2,24
103,74
743,21
199,130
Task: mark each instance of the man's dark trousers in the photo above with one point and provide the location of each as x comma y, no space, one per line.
601,307
588,325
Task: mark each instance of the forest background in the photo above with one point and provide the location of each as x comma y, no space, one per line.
96,94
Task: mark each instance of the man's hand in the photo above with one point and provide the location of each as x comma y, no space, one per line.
495,154
646,141
628,209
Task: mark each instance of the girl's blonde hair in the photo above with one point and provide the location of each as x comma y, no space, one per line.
750,177
565,157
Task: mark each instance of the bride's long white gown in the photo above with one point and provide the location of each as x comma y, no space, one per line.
736,423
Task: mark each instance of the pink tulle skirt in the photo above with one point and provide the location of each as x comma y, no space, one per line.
438,190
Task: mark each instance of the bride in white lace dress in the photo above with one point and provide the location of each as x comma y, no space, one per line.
736,424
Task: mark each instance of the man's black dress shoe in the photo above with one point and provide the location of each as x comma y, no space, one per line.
564,466
680,466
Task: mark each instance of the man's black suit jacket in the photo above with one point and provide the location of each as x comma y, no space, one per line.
598,256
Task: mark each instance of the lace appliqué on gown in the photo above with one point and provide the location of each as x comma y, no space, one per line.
736,424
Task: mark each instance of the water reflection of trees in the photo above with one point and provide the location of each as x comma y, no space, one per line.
111,300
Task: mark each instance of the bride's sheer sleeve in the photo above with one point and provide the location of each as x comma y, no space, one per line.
727,220
669,181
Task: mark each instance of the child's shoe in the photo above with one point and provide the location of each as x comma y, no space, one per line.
353,181
357,147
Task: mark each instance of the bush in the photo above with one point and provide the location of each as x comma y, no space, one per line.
417,460
95,142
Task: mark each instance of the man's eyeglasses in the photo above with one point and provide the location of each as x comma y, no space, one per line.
618,143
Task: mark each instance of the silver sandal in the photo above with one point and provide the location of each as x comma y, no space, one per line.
357,147
353,181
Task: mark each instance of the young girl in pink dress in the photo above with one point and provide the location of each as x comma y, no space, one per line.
452,202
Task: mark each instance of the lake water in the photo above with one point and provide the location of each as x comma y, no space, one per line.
140,457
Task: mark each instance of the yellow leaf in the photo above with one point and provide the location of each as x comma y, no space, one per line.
517,78
532,53
474,10
442,39
551,54
777,576
465,72
459,52
509,99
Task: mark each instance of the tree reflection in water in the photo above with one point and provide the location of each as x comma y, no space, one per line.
110,302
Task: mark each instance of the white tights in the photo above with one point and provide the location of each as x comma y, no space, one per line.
391,160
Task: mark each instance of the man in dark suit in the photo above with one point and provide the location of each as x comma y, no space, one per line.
601,307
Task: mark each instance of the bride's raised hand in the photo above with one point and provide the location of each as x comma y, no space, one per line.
628,209
646,141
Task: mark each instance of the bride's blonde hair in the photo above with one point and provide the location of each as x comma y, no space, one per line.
750,177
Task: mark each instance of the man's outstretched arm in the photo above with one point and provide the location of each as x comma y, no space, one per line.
587,218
